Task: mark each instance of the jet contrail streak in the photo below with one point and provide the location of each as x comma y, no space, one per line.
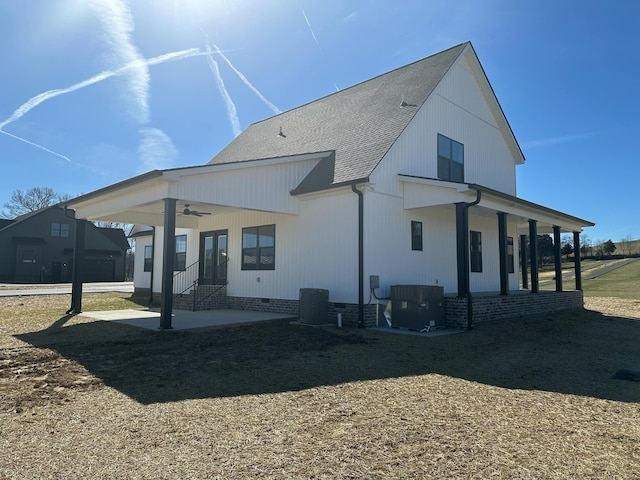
42,97
247,82
231,107
310,29
37,146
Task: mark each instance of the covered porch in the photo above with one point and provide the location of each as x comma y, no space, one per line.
513,217
197,199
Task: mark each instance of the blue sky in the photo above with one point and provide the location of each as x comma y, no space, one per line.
94,92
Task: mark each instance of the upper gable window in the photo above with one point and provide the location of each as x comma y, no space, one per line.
450,159
60,230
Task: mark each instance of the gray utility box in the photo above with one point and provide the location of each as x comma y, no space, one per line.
417,306
313,306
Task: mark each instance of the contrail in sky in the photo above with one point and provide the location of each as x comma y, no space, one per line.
310,29
37,146
231,107
42,97
118,24
247,82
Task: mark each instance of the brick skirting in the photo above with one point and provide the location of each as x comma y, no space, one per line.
500,307
486,308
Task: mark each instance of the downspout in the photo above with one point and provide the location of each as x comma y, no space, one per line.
360,255
469,296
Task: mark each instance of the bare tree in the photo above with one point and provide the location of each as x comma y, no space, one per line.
35,198
625,245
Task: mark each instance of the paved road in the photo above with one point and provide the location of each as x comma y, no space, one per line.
11,290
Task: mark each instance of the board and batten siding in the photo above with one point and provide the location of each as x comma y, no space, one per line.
458,110
263,187
315,249
388,251
141,279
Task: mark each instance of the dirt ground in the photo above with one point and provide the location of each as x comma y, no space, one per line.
529,398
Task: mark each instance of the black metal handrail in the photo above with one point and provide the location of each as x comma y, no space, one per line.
187,279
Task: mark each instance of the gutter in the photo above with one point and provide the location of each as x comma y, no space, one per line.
360,254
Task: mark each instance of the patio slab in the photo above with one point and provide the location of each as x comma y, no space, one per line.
185,319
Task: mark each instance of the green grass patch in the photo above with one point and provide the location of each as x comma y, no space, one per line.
623,282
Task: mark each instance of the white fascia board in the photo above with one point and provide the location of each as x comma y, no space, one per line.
425,192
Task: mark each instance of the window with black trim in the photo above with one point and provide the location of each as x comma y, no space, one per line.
180,262
450,159
416,235
148,258
259,248
60,230
476,251
510,261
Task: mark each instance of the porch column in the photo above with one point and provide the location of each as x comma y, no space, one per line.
462,245
502,248
533,254
523,261
576,254
78,267
557,256
168,259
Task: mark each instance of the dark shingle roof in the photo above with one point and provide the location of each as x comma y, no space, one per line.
116,235
359,123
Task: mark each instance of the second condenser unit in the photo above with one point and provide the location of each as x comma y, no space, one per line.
417,307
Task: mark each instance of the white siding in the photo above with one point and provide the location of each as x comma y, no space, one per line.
141,279
456,109
388,250
260,187
316,249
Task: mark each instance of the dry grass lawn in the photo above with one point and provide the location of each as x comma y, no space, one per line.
529,398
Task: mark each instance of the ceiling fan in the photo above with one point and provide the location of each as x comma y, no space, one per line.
195,213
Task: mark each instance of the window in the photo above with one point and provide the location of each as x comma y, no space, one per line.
510,264
259,248
60,230
476,251
148,258
450,159
181,253
416,235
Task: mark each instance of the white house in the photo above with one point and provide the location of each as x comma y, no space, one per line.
410,176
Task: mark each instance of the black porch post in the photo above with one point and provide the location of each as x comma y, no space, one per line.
557,256
462,244
533,254
78,266
502,248
576,254
523,261
168,260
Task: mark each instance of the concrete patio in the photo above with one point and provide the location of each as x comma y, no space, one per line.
185,319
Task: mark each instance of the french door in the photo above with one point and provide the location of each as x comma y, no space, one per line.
213,257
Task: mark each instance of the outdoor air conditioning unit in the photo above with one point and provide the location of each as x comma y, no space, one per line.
417,307
313,306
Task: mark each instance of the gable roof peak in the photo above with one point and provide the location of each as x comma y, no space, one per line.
359,123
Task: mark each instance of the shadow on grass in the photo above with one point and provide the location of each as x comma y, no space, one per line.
572,352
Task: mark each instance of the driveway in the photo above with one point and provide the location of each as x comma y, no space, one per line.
15,290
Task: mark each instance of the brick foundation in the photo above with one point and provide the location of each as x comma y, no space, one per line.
500,307
486,308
